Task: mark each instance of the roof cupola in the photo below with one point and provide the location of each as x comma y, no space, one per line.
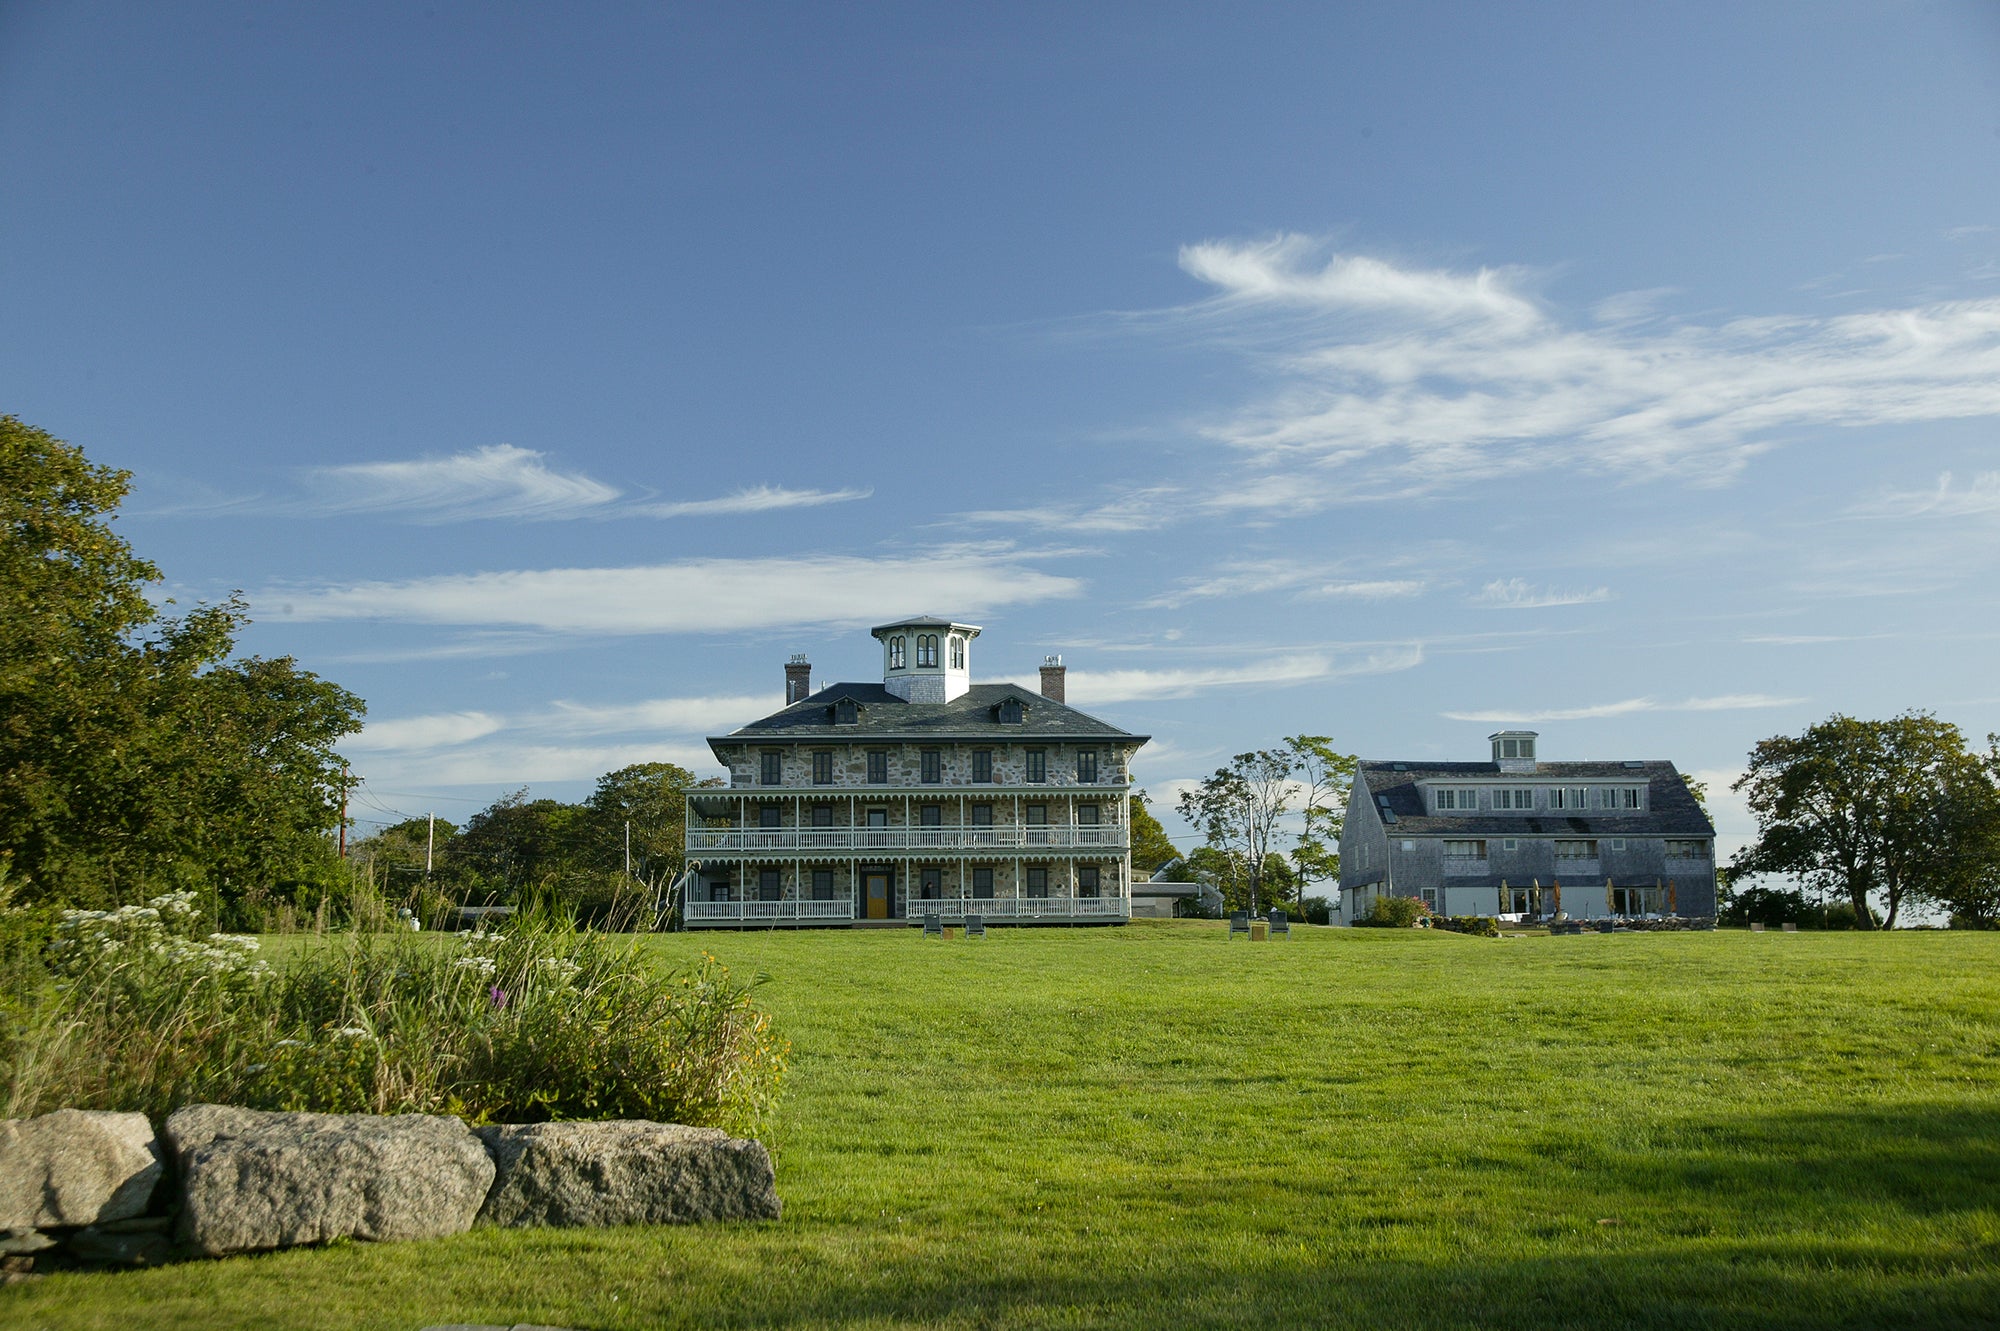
926,659
1513,750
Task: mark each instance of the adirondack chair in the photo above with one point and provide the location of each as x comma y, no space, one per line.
1239,923
933,926
975,926
1281,924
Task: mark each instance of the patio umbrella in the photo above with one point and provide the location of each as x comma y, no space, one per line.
1672,908
1555,906
1609,907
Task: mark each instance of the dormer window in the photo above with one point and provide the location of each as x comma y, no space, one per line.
1010,711
1517,748
846,712
896,652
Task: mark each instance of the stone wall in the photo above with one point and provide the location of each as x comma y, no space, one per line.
81,1187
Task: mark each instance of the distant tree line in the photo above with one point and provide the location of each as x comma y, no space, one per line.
620,847
1271,821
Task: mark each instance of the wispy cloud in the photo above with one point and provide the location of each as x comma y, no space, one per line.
1143,509
1396,380
1304,577
699,595
423,732
1088,688
757,499
1517,594
1735,702
1948,499
500,481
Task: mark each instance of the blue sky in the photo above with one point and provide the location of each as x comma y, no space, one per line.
1387,372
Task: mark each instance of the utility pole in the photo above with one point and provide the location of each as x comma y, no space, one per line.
430,844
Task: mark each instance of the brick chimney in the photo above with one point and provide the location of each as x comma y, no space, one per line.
1052,678
798,678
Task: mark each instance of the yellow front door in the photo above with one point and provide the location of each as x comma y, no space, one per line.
876,886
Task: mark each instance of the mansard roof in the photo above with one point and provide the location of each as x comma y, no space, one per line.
885,717
1670,810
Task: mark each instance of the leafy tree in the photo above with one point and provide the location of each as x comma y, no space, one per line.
1238,809
1324,778
1150,846
134,755
1699,789
652,799
1866,808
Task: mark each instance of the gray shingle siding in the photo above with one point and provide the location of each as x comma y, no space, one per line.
1394,845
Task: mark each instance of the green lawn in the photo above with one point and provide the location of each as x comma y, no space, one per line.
1151,1126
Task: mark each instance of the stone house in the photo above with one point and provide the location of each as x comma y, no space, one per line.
1517,836
921,794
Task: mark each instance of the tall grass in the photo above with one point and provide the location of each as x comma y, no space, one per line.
140,1009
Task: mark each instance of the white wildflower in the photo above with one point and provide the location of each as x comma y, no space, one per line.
352,1032
484,965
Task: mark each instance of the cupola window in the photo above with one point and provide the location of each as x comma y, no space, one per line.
896,652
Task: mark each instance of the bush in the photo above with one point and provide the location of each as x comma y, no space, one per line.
139,1009
1395,913
1479,926
1318,910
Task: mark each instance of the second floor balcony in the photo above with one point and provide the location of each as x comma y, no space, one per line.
837,840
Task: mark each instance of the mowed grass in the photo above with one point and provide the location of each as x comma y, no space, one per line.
1150,1126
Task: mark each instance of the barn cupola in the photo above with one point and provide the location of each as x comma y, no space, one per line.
926,659
1513,750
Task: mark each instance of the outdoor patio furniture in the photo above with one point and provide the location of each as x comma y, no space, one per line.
1281,924
1239,923
975,926
933,926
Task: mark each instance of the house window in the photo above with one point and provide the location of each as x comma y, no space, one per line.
822,884
772,771
1036,815
896,652
1430,897
1465,850
846,712
982,815
930,882
719,889
930,815
878,817
878,767
822,815
1687,850
769,886
1464,800
1618,843
957,652
1568,797
1622,798
1576,850
1086,767
1514,797
1087,815
770,815
1038,882
927,649
1517,748
1037,766
1086,881
982,764
933,767
1510,844
982,884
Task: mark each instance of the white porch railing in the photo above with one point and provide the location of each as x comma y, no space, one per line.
735,912
792,840
996,909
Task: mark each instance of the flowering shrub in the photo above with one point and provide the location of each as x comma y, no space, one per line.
145,1009
1395,913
